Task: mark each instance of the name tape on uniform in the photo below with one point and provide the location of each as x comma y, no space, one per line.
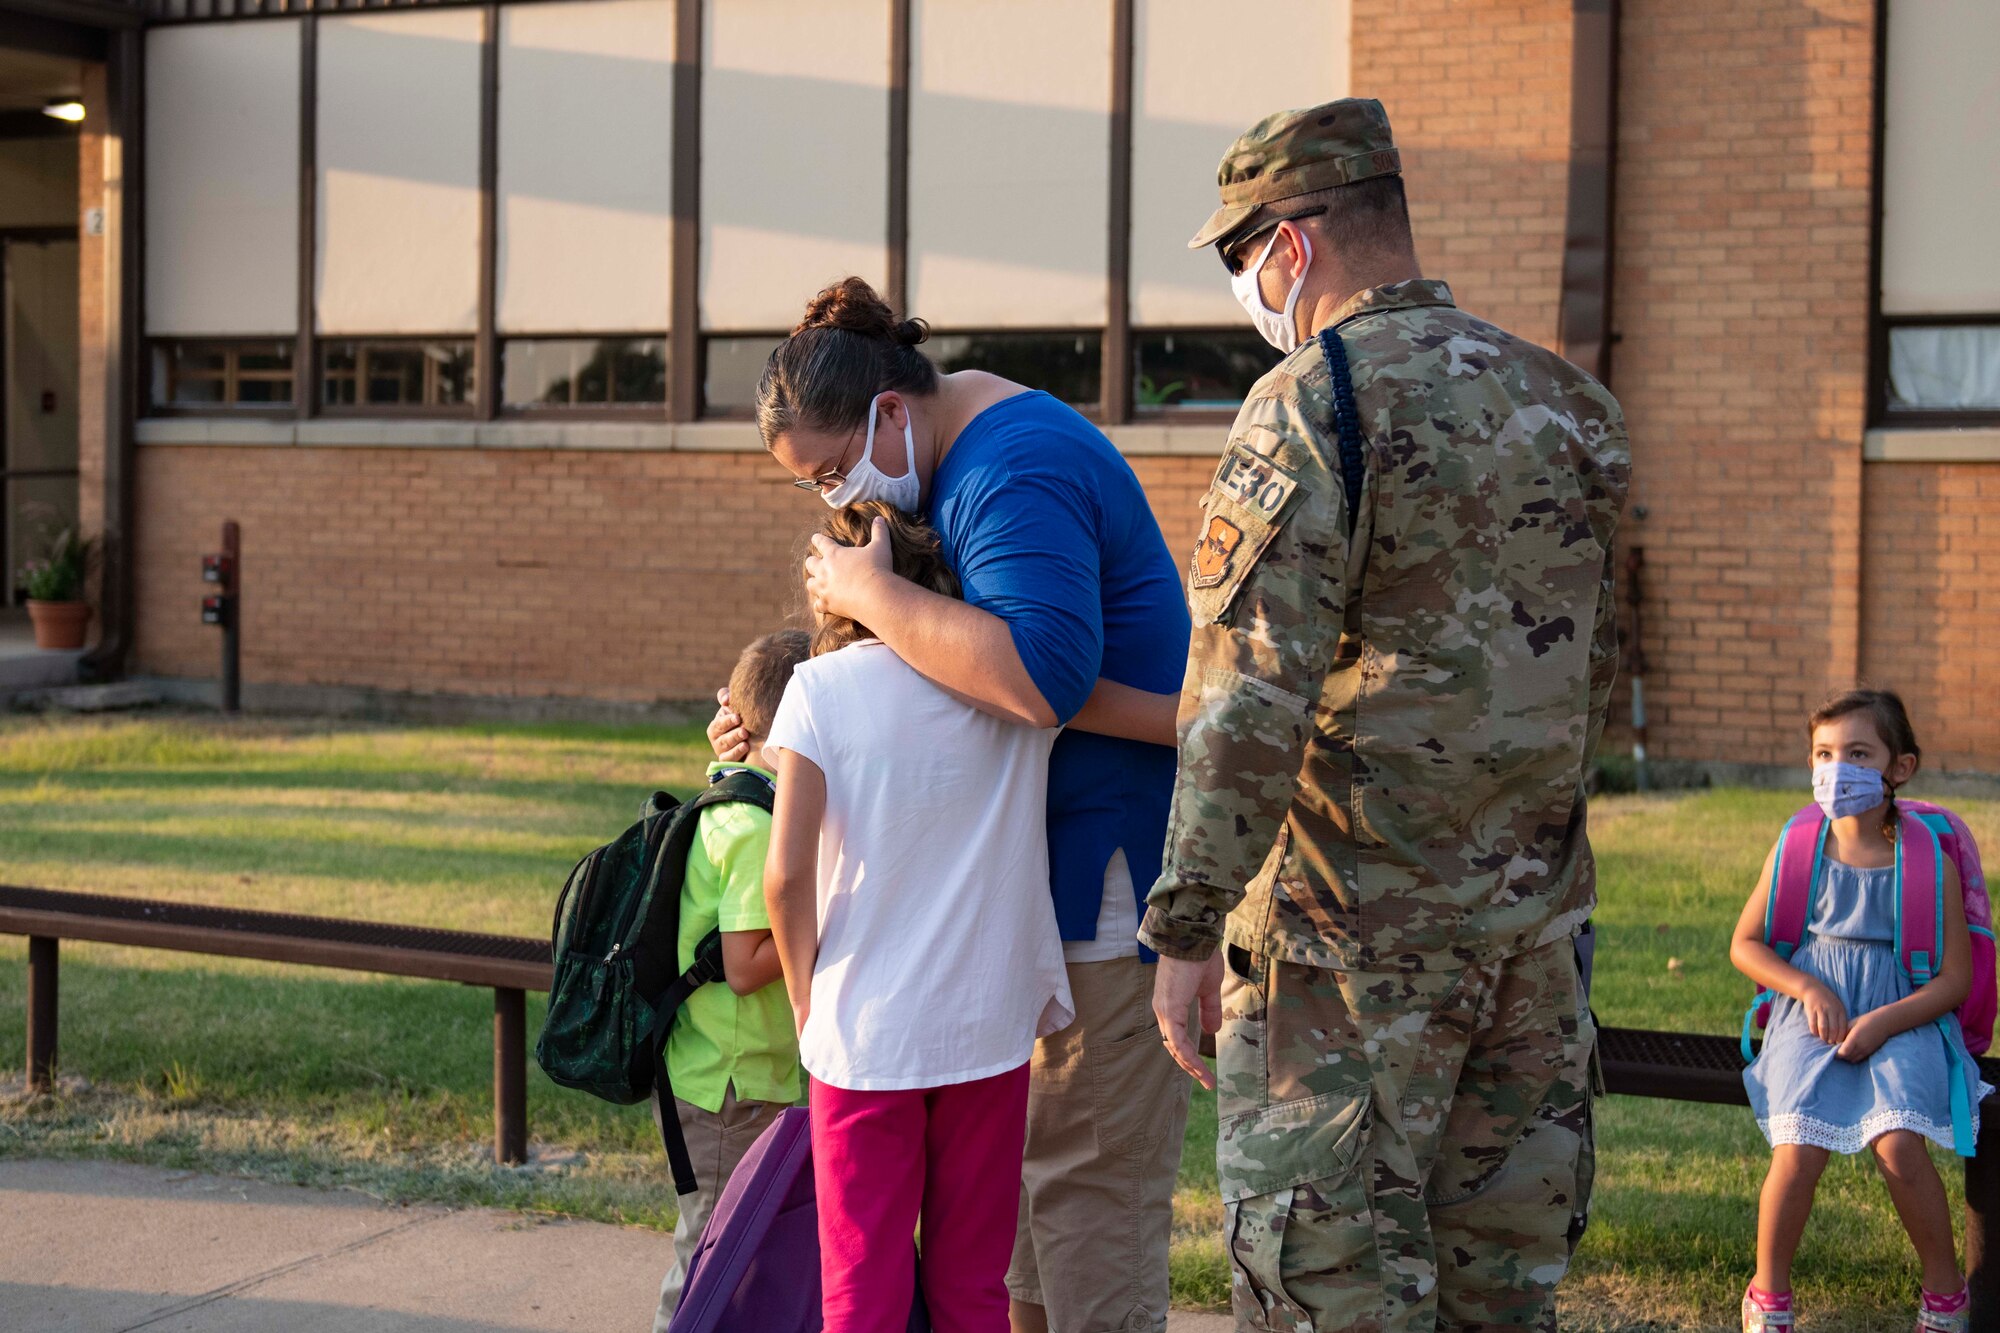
1254,481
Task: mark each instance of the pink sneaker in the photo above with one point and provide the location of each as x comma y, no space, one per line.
1936,1321
1756,1319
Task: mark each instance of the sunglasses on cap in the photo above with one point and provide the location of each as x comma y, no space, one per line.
1229,247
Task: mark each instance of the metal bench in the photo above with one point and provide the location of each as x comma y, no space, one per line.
1684,1067
511,965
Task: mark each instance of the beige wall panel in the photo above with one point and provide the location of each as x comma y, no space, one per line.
1941,158
1191,97
399,172
1009,162
795,155
38,182
586,166
222,178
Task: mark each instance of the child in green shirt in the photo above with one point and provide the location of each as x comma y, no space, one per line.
732,1054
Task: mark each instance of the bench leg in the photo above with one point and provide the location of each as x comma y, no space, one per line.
510,1076
41,1013
1982,1218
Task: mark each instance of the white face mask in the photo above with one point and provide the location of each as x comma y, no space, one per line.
1278,328
866,481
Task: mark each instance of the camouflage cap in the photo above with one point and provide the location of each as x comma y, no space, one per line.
1291,153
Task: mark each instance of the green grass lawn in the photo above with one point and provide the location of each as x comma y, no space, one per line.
383,1084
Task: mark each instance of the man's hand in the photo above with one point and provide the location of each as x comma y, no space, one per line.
839,578
726,735
1177,984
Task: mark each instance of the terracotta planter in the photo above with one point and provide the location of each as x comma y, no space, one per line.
59,626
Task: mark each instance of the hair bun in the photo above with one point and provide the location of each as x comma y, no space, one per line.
853,305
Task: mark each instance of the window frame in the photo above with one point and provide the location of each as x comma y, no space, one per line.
1192,416
1879,414
279,409
625,412
323,345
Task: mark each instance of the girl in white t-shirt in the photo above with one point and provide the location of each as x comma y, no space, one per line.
908,886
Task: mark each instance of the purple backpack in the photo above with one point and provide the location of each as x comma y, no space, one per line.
756,1267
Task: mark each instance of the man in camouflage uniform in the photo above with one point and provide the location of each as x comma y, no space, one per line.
1399,671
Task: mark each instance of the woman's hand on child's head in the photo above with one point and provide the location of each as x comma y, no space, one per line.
1826,1016
1863,1039
837,576
725,731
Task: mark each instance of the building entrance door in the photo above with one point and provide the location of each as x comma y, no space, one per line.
38,384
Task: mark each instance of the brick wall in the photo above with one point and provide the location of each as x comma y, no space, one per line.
1478,97
626,576
1931,593
1742,297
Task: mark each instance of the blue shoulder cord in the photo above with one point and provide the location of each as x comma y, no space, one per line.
1346,422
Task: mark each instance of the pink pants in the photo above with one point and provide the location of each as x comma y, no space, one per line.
882,1161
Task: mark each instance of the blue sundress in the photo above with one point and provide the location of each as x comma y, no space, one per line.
1800,1090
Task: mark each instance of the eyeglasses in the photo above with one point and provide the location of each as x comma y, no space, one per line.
833,477
1230,247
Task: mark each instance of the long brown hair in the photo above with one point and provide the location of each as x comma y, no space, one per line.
849,347
916,553
1892,726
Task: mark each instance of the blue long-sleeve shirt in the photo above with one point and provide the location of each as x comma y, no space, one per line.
1048,528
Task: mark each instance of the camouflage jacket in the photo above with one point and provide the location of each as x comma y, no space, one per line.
1383,738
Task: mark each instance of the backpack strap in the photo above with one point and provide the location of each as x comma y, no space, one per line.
1919,900
1788,905
1795,881
658,949
1920,948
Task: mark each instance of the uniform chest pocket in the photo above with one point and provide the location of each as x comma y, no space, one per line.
1246,505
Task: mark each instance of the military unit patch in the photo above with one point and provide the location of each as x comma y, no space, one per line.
1214,552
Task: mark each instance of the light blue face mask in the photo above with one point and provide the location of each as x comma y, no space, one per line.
1843,790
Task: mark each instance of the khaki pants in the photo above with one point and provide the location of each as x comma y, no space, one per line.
1107,1107
717,1141
1404,1151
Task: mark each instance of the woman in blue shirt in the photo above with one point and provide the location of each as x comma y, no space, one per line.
1073,616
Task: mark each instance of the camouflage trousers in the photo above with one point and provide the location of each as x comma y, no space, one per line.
1407,1150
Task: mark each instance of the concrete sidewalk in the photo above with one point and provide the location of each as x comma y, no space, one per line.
106,1247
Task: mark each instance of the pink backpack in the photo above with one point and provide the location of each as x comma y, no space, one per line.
1928,836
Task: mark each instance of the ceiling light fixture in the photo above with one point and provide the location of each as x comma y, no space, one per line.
64,108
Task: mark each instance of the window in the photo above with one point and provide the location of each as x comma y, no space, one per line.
409,373
1944,368
206,374
1197,369
584,372
1937,315
1068,366
731,369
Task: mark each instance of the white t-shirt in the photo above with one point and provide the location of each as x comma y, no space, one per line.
939,957
1117,919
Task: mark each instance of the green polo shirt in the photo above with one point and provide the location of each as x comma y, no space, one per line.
722,1037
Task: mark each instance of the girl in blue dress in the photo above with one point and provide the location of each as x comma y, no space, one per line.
1852,1056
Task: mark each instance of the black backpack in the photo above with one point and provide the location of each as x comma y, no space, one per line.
617,985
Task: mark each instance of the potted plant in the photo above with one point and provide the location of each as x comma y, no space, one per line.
54,584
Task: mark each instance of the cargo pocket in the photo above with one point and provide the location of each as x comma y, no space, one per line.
1300,1231
1130,1077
